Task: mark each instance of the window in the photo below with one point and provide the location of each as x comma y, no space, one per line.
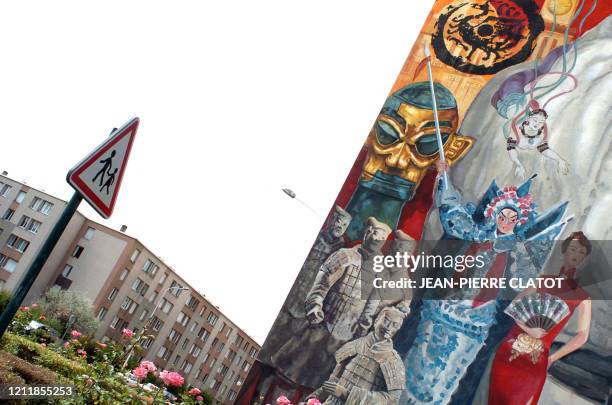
143,315
185,343
204,378
223,390
150,268
176,360
4,189
67,270
231,395
140,286
163,353
230,355
214,343
89,233
174,336
127,303
253,352
203,334
245,366
228,332
78,250
153,296
195,350
163,278
8,214
182,318
166,306
7,263
192,302
194,326
20,197
238,360
123,274
102,313
221,347
17,243
205,359
187,367
202,310
42,206
112,294
239,340
156,324
135,255
239,381
212,318
223,369
146,343
212,362
29,224
118,323
176,288
213,383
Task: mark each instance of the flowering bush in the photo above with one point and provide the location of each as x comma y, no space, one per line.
172,378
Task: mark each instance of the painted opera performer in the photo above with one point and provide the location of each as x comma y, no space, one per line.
368,369
520,367
454,327
401,147
339,307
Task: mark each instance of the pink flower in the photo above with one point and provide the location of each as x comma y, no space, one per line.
41,318
34,305
81,352
171,378
25,309
283,400
102,345
43,344
128,333
199,398
140,372
66,344
313,401
75,334
194,391
148,365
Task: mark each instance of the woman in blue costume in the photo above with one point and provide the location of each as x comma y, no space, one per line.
513,241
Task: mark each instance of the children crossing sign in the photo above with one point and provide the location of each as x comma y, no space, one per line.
98,176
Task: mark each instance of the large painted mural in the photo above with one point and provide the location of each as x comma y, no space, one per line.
517,94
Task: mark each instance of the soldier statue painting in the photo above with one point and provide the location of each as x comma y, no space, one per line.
337,310
368,369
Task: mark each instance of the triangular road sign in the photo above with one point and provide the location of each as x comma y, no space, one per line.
98,177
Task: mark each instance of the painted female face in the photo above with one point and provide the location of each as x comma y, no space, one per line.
574,254
506,220
535,122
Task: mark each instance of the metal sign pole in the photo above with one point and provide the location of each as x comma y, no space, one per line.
38,262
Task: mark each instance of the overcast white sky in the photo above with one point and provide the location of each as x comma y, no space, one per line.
237,99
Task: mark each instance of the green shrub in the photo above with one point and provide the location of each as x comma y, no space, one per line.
61,305
5,297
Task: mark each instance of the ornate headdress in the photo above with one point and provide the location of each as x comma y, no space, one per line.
516,198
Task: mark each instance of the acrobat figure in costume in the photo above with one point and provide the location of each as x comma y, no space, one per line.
532,134
513,241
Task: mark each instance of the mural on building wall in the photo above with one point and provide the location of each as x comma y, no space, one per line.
523,112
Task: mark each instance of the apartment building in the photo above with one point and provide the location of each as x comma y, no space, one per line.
129,287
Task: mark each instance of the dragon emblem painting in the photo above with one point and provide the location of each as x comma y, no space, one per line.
499,150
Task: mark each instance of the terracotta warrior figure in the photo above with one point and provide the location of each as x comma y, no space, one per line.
337,310
368,369
292,318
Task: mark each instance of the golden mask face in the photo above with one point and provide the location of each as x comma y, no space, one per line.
407,150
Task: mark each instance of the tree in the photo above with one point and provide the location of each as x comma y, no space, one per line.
63,304
5,297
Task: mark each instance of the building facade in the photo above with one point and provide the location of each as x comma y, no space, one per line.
129,287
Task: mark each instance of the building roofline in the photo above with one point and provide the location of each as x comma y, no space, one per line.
125,235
